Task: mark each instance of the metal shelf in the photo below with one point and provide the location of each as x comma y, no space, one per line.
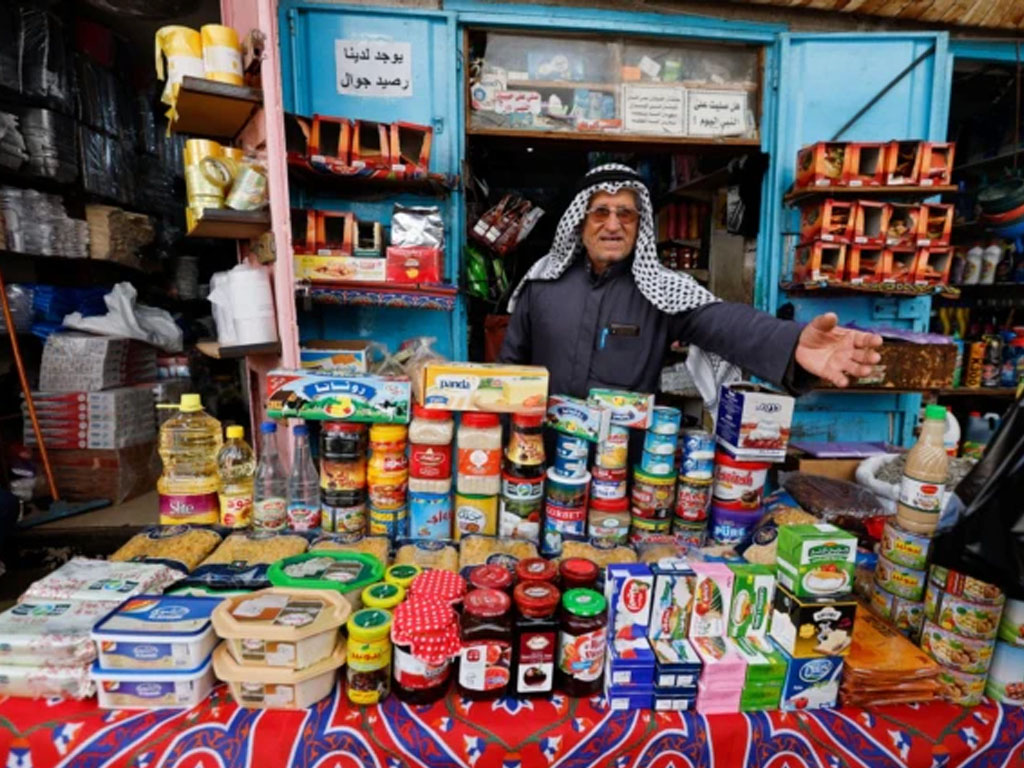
870,289
215,350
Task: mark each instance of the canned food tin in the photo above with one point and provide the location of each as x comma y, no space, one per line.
881,601
908,616
650,525
653,492
1006,676
698,442
569,447
1011,626
697,468
963,654
900,580
690,534
609,475
731,526
561,523
970,619
665,420
609,520
613,451
475,514
566,491
392,523
522,489
693,497
658,464
963,689
660,444
968,587
739,481
904,548
430,515
608,489
351,519
564,467
520,519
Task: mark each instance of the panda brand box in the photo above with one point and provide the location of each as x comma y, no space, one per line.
754,422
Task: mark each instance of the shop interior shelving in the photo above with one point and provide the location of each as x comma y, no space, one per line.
944,392
216,350
212,109
440,297
799,194
228,224
342,182
872,289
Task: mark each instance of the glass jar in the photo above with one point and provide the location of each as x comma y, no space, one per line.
430,444
485,662
578,573
368,666
437,584
526,440
425,634
431,426
383,595
479,454
582,643
388,438
342,441
491,577
536,638
536,569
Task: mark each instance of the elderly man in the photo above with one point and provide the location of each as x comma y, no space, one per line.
599,310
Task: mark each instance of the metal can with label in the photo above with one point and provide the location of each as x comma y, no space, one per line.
475,514
693,498
430,515
665,420
613,451
391,523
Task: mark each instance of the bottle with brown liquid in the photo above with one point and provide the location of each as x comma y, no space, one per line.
924,477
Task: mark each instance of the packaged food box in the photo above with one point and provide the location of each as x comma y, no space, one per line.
822,164
752,594
964,617
629,699
346,357
901,547
628,409
766,663
722,663
719,699
340,268
278,687
242,560
819,262
157,632
816,560
347,572
866,265
50,632
754,422
677,666
672,602
414,264
811,683
1011,626
871,223
828,220
101,581
46,682
673,702
962,585
574,416
490,387
964,654
1006,675
903,162
281,627
323,396
153,689
865,165
899,580
629,589
630,663
811,627
712,599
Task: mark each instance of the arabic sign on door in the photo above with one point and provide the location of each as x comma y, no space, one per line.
373,68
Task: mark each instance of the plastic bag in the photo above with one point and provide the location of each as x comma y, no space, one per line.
844,504
410,358
417,226
125,318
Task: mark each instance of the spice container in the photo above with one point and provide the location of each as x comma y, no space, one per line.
583,643
536,637
348,573
402,575
279,688
485,662
369,656
425,635
430,443
536,569
153,688
479,455
578,573
383,595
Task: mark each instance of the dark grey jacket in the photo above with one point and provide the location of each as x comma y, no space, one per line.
599,331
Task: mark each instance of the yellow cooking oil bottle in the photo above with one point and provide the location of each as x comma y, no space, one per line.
189,444
236,464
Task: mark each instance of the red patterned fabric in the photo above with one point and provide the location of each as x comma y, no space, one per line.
563,732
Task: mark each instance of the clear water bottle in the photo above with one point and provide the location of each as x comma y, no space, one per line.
270,507
236,464
303,485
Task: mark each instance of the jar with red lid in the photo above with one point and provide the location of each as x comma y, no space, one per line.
479,454
536,638
578,573
491,576
438,584
485,662
425,634
582,642
430,443
536,569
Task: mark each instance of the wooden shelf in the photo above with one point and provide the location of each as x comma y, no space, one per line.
218,110
232,225
797,195
215,350
1001,157
871,289
614,138
413,296
437,185
699,188
568,85
978,392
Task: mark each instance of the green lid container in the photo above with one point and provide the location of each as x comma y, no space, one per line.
584,602
346,572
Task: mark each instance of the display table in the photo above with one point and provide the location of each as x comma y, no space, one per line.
570,733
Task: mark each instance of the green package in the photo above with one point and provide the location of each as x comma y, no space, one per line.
816,560
752,592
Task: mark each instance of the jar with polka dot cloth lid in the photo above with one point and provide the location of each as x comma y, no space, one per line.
425,634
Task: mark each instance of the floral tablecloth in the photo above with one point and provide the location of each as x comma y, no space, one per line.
563,732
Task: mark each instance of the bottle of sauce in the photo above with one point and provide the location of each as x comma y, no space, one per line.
485,663
522,480
425,636
582,642
924,477
536,638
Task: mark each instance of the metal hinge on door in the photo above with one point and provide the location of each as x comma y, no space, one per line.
438,126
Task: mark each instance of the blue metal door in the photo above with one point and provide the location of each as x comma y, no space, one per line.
816,85
314,38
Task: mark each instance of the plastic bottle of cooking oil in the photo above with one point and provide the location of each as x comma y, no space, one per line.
924,477
236,464
189,443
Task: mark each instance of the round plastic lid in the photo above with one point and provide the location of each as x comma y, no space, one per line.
268,428
490,577
344,426
190,403
436,414
578,569
936,412
536,569
439,584
609,505
368,625
235,433
387,433
402,575
301,430
528,419
536,598
721,457
383,595
480,420
584,602
486,602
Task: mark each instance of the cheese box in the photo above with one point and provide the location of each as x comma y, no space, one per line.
490,387
673,702
810,627
722,663
677,666
628,409
630,663
766,663
815,560
719,699
576,417
629,590
337,269
628,699
753,591
672,603
712,600
754,422
811,684
335,356
327,397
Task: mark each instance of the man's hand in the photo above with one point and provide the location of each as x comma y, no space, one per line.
835,353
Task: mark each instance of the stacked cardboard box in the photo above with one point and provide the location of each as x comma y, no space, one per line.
115,418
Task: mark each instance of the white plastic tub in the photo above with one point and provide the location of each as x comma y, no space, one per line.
277,688
153,632
129,689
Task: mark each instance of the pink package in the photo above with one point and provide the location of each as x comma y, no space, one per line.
722,664
717,701
712,598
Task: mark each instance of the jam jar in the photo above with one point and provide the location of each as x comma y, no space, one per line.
536,638
536,569
485,662
425,635
582,643
491,577
342,441
578,573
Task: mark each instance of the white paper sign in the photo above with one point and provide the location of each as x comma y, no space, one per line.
653,109
373,68
716,113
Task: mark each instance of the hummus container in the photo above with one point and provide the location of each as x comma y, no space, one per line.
38,682
281,627
1011,627
968,587
1006,676
346,572
660,443
964,654
277,688
899,580
904,548
156,632
153,689
978,620
963,689
50,632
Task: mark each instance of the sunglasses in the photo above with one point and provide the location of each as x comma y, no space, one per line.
601,214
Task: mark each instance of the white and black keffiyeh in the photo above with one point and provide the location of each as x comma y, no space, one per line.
669,291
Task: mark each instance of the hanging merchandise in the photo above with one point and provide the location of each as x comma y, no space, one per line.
222,54
507,224
189,444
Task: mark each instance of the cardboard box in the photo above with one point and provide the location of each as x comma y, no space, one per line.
933,266
937,163
629,589
821,165
868,265
935,225
331,140
712,600
327,397
410,148
118,475
754,422
303,224
629,699
630,664
819,261
811,683
904,225
815,560
628,409
298,132
865,165
672,601
371,145
574,416
870,222
812,627
753,592
368,239
335,233
671,702
677,667
828,220
903,163
902,263
414,264
839,469
339,269
489,387
334,356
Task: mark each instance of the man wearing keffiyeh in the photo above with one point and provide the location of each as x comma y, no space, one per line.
599,310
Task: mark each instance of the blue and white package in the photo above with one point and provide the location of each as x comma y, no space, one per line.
811,683
662,445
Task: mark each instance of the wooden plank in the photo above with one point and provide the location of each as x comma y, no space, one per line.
613,138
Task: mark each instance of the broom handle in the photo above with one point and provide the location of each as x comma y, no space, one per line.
19,363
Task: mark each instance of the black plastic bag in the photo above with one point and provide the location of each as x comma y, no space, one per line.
988,540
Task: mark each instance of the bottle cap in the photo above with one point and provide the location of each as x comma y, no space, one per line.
936,412
487,603
301,430
369,625
268,428
190,404
235,432
480,420
435,414
584,602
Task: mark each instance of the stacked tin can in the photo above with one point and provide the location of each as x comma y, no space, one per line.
343,478
388,480
654,478
901,575
608,520
961,619
693,493
1006,675
736,498
565,494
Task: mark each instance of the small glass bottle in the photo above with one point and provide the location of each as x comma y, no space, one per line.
485,663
